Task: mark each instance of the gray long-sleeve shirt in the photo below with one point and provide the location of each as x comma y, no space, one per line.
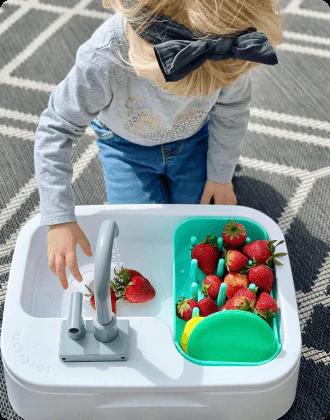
102,84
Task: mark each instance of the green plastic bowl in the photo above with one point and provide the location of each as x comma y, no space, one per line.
227,337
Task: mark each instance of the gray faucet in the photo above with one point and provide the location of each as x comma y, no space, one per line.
76,343
105,321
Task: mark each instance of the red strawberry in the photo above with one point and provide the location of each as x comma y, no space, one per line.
123,272
235,281
184,308
262,276
113,300
263,251
234,235
139,290
132,286
245,291
244,300
92,298
121,279
235,260
207,255
211,286
134,272
266,306
207,306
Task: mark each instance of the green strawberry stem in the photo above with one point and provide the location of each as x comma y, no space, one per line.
273,258
120,282
210,240
205,288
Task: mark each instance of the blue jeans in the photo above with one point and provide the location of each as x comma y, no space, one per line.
169,173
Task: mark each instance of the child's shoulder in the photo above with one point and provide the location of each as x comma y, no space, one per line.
105,41
105,34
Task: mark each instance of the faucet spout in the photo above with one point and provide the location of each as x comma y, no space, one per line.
105,322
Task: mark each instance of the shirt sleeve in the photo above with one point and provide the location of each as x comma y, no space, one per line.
227,129
72,106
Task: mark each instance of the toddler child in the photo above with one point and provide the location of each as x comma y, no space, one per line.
166,86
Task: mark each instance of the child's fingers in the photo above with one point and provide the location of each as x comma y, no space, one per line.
71,262
51,262
60,270
206,197
84,244
227,199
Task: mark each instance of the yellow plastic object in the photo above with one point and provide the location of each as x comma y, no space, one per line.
190,325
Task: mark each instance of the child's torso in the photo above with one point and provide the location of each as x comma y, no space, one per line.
139,110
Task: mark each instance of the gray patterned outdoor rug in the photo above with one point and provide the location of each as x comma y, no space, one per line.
284,169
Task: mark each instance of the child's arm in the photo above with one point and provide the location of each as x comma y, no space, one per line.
227,129
71,107
73,104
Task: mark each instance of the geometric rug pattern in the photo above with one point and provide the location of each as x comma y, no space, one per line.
284,170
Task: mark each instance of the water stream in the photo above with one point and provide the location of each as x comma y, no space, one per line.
116,261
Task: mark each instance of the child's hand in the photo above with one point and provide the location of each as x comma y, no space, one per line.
62,244
221,193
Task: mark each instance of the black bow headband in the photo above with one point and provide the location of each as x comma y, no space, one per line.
179,52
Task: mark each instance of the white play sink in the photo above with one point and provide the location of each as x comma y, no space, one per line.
157,381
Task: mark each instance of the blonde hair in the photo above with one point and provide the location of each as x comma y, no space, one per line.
204,18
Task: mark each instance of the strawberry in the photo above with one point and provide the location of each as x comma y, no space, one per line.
92,298
250,294
235,281
121,280
263,252
207,306
234,235
113,300
207,254
184,308
244,300
211,286
235,260
262,276
132,286
139,290
133,272
266,306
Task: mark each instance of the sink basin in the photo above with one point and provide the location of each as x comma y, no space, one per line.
156,381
